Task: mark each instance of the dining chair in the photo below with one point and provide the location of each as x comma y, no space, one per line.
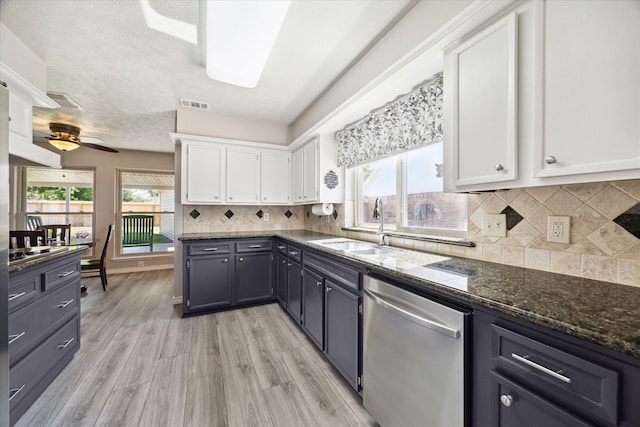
34,222
60,232
99,264
33,235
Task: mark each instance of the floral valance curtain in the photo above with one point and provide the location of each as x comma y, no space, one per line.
412,121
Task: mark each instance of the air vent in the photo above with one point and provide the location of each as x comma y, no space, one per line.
189,103
65,101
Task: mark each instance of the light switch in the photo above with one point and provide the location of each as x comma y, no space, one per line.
494,225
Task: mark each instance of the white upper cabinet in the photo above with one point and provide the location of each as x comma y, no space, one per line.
298,175
203,173
242,176
310,182
591,96
275,177
21,112
481,106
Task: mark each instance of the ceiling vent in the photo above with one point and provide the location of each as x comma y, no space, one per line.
189,103
64,100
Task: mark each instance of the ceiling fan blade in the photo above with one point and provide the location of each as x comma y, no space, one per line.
99,147
91,140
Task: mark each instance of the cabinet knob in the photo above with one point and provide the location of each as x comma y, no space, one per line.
506,400
230,198
550,160
264,198
499,167
241,259
225,260
318,283
215,197
329,289
284,262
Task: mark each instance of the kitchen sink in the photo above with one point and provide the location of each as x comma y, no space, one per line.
354,247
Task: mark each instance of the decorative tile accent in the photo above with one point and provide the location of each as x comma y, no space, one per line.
228,213
260,214
194,214
288,213
513,217
630,220
335,214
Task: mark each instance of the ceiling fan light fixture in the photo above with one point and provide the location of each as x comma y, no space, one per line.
240,37
63,144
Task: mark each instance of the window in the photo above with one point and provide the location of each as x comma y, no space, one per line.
60,196
145,212
410,187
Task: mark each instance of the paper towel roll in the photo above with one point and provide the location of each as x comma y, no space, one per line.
322,209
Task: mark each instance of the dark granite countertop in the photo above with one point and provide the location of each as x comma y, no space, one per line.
33,260
604,313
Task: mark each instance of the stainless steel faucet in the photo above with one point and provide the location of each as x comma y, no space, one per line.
378,213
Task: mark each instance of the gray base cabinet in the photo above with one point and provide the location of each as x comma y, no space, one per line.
294,290
44,327
526,375
222,274
313,306
282,271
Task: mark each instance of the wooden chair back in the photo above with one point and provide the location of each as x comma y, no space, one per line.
137,230
33,235
34,222
55,232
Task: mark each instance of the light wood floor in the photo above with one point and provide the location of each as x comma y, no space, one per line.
141,364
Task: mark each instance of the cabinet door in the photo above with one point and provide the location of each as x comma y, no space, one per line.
480,107
274,177
281,277
342,328
590,111
242,176
310,171
254,277
313,307
202,173
209,282
515,406
294,290
20,126
298,175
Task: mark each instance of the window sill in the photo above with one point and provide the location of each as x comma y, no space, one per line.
423,237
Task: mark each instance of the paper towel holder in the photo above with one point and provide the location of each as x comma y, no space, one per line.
322,209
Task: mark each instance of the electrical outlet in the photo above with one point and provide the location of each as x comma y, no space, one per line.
494,225
559,229
265,216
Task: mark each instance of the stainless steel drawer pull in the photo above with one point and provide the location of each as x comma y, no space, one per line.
64,304
294,253
506,399
281,247
407,313
66,273
210,249
255,246
13,338
318,283
554,374
14,296
65,343
14,391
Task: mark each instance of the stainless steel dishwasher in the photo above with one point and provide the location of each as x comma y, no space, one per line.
414,358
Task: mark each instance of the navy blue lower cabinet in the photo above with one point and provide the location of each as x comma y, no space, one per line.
282,271
253,271
209,282
313,306
342,331
294,290
526,375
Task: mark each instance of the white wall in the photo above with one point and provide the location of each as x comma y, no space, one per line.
17,56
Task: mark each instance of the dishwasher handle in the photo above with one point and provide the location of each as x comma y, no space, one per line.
408,314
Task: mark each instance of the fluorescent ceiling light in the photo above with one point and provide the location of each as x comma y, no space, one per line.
240,36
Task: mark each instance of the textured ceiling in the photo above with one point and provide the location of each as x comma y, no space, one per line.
128,78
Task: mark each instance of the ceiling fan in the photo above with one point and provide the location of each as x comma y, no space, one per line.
66,138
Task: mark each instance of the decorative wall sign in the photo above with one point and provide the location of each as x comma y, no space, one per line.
412,121
331,180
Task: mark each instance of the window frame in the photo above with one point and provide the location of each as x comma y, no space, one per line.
120,213
402,195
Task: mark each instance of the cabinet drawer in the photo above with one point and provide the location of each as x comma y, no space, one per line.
254,245
61,274
338,272
294,253
23,291
209,248
583,386
281,247
28,325
26,374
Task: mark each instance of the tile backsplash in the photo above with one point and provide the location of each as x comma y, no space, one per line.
605,228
